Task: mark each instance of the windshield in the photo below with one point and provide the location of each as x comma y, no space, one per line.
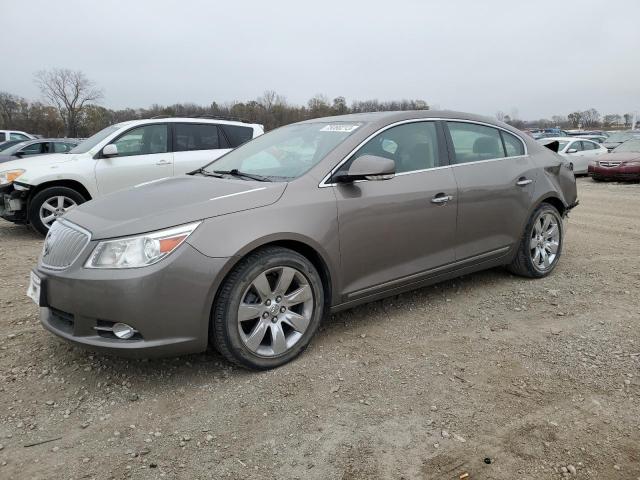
629,146
92,141
562,144
287,152
7,145
14,148
621,137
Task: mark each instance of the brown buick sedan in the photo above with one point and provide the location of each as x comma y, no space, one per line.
250,252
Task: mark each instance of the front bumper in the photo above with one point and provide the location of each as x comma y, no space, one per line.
169,304
13,204
620,172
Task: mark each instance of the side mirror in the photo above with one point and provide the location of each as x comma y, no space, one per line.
110,150
367,167
572,150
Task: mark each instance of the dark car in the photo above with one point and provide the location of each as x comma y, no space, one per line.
40,146
250,252
623,163
618,138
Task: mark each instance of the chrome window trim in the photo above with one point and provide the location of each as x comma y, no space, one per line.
77,228
324,183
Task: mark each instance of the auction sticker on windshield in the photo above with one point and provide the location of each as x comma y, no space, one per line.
339,127
33,292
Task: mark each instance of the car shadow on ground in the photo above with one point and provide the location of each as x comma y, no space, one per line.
204,367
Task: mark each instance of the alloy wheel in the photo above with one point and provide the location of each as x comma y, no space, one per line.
545,241
275,311
54,207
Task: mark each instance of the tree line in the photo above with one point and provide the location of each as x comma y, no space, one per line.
589,119
71,108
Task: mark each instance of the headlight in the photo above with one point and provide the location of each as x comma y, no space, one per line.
9,176
141,250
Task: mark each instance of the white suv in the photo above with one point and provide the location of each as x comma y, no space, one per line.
9,135
37,190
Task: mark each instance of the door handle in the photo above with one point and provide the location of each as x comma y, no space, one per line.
441,199
162,162
522,182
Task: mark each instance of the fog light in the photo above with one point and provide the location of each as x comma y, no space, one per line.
123,331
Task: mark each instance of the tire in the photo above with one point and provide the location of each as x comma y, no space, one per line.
257,341
49,196
597,179
529,262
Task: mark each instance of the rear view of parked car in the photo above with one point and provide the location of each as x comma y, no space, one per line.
39,190
41,146
578,152
252,251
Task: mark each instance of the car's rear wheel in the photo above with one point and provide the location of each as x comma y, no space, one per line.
268,309
50,204
541,244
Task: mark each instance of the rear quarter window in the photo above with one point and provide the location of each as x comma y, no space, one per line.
512,144
237,135
3,136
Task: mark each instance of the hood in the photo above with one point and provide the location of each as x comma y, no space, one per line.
169,202
51,160
6,158
619,157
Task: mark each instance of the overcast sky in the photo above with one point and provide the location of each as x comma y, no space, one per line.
539,57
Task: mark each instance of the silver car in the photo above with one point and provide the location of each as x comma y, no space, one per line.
249,253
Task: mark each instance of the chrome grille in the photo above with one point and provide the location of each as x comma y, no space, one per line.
63,245
609,164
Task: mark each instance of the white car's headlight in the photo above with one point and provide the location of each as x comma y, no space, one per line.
9,176
141,250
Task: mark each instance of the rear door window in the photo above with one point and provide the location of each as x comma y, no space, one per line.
473,142
195,136
61,147
237,135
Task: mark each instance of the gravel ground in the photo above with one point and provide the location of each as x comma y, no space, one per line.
539,377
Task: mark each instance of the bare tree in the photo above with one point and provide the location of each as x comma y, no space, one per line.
500,115
68,91
9,106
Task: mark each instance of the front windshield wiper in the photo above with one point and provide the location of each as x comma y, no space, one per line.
237,173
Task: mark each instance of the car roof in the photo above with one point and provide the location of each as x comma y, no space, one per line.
35,140
559,139
129,123
404,115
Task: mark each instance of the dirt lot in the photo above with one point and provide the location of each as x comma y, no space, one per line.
537,376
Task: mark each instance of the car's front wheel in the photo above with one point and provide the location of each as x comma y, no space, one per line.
50,204
541,244
268,309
